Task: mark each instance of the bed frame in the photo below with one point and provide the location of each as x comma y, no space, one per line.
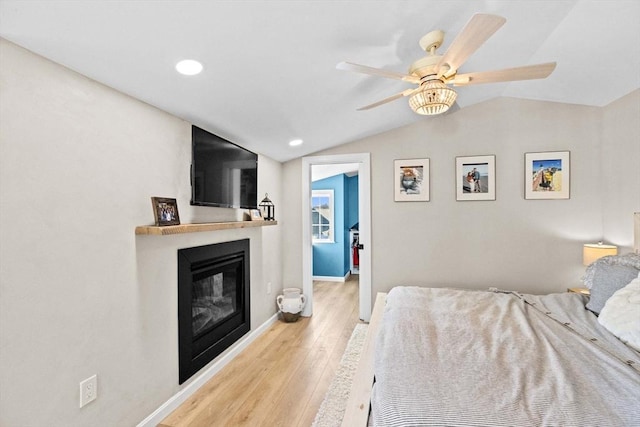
358,405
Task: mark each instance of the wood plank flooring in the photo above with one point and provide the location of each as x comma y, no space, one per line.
281,378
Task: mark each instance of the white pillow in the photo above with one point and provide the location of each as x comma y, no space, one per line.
621,314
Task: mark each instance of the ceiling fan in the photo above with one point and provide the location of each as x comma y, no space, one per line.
434,72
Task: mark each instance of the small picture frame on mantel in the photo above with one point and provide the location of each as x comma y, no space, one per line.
255,215
165,211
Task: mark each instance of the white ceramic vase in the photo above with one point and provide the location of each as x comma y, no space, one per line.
291,303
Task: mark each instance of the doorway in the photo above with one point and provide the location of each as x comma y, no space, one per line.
364,212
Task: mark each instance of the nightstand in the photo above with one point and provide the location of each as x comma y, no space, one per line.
583,291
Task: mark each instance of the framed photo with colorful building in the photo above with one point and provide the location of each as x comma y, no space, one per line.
547,175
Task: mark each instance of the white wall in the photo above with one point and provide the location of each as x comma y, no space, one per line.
527,245
81,294
621,169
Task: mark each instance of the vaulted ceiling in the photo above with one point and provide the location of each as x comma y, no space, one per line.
270,66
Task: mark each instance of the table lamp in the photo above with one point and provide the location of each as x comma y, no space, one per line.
591,252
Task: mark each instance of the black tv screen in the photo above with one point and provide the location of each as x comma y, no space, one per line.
223,174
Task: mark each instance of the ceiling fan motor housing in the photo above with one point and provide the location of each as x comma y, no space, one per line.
426,66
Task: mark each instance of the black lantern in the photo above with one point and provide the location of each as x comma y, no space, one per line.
268,209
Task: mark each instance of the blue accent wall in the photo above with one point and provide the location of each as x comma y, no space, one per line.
332,259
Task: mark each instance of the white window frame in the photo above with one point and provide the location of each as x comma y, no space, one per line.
331,216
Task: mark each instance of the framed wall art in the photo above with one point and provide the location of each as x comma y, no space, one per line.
476,178
165,211
547,175
411,180
255,215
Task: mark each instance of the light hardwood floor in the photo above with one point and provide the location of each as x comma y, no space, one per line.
281,378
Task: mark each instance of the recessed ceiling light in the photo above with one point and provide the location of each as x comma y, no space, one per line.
295,142
189,67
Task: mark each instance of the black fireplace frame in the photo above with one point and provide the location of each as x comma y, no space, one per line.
190,262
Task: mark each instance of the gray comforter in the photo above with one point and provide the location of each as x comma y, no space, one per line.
447,357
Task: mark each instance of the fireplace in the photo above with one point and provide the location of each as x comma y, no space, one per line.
213,302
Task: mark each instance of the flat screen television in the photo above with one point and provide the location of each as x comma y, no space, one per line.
223,174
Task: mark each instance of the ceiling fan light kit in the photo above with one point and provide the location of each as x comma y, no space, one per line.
433,72
434,97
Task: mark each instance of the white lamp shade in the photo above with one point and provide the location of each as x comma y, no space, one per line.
591,252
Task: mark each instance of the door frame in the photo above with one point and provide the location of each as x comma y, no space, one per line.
364,218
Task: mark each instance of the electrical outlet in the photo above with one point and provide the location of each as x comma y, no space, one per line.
269,288
88,390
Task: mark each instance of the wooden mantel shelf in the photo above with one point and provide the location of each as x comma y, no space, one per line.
195,228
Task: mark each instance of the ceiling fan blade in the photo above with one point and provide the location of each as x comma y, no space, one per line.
528,72
348,66
389,99
477,31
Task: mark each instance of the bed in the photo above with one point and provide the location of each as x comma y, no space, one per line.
442,356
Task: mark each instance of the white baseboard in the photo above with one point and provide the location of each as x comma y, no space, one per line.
180,397
333,278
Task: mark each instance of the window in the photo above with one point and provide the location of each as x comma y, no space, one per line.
322,216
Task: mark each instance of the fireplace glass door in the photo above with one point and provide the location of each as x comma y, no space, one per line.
213,302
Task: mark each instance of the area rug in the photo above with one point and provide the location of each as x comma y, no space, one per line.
335,401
